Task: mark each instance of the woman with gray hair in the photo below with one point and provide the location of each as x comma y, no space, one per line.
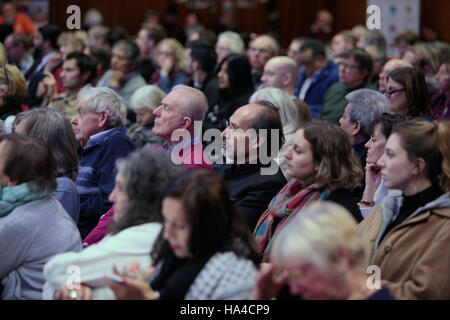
319,255
143,102
55,129
140,181
290,117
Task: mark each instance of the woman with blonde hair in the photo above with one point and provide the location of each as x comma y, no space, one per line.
169,57
407,236
13,89
290,117
319,256
323,167
3,56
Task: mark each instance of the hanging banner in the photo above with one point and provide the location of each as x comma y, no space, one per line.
397,16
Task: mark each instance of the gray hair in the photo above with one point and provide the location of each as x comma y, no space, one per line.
234,40
316,235
367,107
131,50
273,43
99,99
195,103
55,129
147,97
289,115
146,175
2,128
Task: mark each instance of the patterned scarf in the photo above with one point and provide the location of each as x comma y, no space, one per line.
15,196
290,200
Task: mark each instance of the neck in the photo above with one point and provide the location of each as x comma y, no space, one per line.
289,90
199,76
73,91
416,186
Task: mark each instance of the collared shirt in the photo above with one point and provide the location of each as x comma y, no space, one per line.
307,84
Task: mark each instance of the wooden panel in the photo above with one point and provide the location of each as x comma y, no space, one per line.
295,15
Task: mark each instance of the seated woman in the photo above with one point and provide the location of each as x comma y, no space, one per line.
13,89
408,235
55,129
235,89
136,223
143,102
323,167
33,225
440,103
375,189
290,117
407,93
204,250
169,57
319,256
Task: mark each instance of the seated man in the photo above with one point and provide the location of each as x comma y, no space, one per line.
316,76
18,48
260,51
249,186
178,120
78,70
363,110
354,73
123,77
98,126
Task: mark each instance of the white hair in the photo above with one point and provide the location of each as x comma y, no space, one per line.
147,97
195,104
234,40
99,99
367,107
316,234
289,115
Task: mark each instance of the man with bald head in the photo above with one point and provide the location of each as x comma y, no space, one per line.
316,76
280,72
247,144
260,51
390,66
178,120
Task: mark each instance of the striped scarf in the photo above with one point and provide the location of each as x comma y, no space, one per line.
290,200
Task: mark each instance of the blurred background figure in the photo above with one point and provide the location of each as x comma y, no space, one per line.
92,18
228,42
322,27
19,21
18,48
440,103
143,102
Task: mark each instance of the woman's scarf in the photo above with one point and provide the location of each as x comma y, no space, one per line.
291,199
18,195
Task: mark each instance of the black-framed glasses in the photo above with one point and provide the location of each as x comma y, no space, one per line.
391,92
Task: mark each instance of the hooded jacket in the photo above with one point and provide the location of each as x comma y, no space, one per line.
413,257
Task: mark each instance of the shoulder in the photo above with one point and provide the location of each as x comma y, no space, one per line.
344,198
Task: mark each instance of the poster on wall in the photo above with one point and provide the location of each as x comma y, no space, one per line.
397,16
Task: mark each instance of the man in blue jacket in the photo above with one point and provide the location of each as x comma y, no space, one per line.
98,126
316,75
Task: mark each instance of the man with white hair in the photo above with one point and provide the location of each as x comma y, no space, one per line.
227,43
178,120
98,126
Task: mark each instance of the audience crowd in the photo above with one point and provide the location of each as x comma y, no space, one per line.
213,164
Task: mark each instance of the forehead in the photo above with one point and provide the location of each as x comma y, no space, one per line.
261,42
173,98
119,52
299,138
82,106
244,115
393,142
70,63
295,45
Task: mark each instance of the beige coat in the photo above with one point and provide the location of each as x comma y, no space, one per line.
414,257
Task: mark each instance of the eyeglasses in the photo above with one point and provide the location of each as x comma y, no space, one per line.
259,50
222,49
390,93
346,66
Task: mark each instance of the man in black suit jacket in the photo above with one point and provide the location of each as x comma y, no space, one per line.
253,178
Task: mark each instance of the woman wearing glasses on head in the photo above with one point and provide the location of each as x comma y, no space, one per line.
407,93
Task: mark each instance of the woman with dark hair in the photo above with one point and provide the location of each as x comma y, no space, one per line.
33,225
407,236
407,93
204,250
55,129
136,223
375,189
235,89
323,167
